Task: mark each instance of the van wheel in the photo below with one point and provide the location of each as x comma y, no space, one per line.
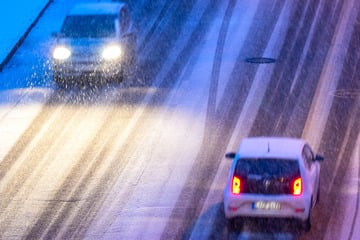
59,81
119,77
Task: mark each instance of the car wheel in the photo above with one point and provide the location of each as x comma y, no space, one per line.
318,196
307,223
234,224
129,68
119,77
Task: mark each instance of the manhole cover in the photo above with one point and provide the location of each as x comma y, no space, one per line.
260,60
346,93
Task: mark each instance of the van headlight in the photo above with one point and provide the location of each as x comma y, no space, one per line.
112,52
61,53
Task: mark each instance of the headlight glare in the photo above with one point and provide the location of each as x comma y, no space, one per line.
112,52
61,53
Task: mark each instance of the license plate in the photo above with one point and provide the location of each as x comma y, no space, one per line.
266,205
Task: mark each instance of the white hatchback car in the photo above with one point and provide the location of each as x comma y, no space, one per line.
95,40
272,177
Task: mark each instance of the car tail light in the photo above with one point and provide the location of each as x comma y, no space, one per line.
236,184
297,187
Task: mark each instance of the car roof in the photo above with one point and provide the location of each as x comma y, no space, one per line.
271,147
96,8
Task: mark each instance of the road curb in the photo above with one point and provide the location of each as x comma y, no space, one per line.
23,37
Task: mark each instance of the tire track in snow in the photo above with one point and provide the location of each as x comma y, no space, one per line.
354,227
318,118
339,138
218,130
179,231
90,177
160,17
279,100
32,164
214,137
212,212
318,45
61,212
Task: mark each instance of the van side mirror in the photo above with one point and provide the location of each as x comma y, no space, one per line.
319,158
230,155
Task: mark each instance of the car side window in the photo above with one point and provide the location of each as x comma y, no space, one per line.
308,156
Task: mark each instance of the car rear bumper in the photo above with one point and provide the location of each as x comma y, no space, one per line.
277,206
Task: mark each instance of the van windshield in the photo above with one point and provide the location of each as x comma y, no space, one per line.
89,26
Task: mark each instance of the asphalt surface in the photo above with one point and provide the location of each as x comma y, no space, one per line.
145,159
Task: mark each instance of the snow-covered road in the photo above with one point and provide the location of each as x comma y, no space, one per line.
145,160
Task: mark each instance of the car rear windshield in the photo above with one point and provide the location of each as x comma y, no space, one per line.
267,176
89,26
267,167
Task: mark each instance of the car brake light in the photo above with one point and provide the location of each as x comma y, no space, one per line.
236,183
297,187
